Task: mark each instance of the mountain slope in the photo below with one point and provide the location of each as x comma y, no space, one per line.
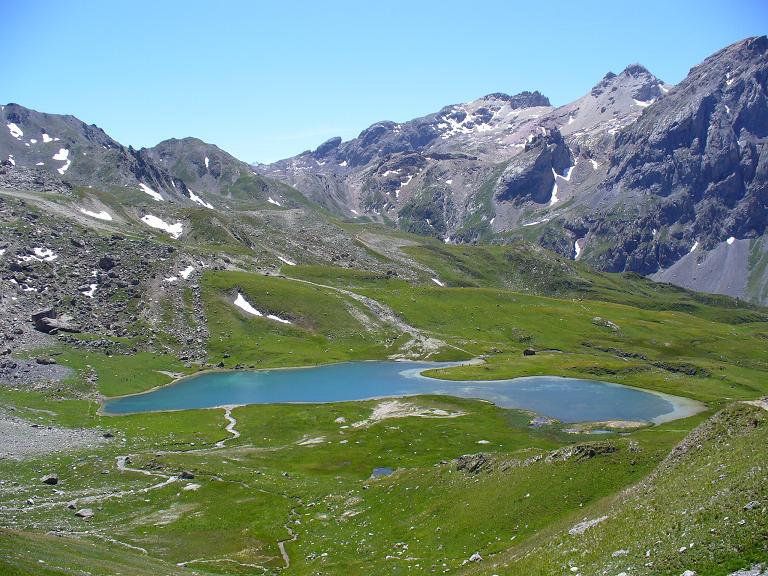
634,176
66,148
210,171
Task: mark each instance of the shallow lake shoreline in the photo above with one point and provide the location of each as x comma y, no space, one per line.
682,407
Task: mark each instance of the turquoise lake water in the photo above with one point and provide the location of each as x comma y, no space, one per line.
566,399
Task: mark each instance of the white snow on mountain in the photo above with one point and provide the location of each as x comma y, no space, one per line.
103,215
174,230
147,190
15,131
195,198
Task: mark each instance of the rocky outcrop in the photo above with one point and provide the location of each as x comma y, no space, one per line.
530,176
522,100
51,322
698,160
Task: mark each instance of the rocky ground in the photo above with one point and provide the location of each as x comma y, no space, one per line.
23,439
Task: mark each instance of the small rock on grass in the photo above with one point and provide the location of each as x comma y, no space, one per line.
84,513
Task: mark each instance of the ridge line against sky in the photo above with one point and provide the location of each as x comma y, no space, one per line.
267,80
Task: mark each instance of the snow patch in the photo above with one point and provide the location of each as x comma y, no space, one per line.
147,190
731,240
536,222
15,131
343,164
33,141
103,215
91,290
577,248
403,184
46,138
695,245
286,261
40,164
186,272
568,173
436,281
64,168
643,103
595,164
45,254
206,162
40,255
273,201
195,198
244,305
62,154
174,230
554,199
11,160
663,89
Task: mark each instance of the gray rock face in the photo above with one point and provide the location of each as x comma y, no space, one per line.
522,100
531,174
698,156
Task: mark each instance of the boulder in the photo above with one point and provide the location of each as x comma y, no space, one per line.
51,479
84,513
50,322
106,263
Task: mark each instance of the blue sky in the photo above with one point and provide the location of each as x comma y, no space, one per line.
266,80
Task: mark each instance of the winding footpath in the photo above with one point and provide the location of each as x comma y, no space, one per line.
293,537
231,426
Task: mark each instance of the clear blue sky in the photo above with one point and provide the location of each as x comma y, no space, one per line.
266,80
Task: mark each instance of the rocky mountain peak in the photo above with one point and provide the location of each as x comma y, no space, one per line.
327,147
635,70
635,76
524,99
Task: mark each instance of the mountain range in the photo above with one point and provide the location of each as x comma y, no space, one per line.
637,175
